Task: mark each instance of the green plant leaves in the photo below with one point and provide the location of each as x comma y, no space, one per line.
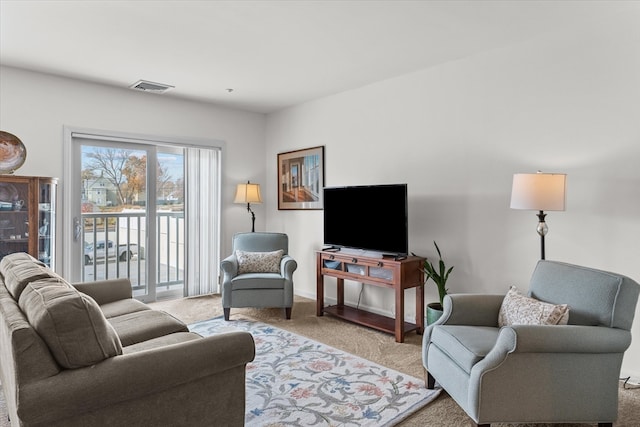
440,276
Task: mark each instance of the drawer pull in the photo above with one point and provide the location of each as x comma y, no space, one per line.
332,257
380,264
354,260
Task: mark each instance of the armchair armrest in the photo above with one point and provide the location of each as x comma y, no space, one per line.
229,266
287,266
465,309
132,376
555,339
569,339
106,291
471,309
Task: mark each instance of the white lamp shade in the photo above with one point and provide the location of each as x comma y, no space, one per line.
538,191
248,193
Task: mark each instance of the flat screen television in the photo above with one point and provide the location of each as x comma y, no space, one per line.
369,217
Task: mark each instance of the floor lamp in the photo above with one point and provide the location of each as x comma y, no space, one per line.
249,193
539,192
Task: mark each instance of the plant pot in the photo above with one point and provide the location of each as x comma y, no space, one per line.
434,311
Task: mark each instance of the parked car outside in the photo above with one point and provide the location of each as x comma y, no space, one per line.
123,252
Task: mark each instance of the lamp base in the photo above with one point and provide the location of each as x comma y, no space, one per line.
542,230
253,218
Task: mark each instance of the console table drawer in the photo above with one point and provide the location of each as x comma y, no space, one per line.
360,269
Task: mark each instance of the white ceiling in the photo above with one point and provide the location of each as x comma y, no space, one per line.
273,54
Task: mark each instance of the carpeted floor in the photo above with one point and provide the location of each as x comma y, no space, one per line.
369,344
372,345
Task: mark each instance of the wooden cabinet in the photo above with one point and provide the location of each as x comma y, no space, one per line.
28,216
389,272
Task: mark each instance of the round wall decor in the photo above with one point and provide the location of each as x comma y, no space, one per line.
12,153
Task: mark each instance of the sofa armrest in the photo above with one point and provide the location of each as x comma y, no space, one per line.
106,291
132,376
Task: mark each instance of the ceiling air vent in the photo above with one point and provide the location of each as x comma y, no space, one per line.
147,86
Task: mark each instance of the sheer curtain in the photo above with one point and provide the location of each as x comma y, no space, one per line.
202,210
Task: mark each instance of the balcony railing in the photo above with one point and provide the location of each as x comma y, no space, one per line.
119,249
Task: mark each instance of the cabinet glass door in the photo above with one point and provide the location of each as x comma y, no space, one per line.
46,217
14,217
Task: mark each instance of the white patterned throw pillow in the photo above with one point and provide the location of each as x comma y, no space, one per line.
259,262
518,309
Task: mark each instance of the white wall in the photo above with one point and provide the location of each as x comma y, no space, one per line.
36,106
457,133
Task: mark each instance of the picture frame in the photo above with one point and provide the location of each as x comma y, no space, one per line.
301,178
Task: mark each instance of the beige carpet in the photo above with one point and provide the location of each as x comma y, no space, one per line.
369,344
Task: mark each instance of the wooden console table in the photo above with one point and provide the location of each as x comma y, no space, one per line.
389,272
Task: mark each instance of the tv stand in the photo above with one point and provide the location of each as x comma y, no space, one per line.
388,272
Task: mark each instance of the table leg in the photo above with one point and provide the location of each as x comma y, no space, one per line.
399,314
319,288
420,309
340,292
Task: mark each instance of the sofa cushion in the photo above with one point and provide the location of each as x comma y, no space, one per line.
123,306
161,342
71,323
19,269
466,345
15,257
518,309
144,325
259,262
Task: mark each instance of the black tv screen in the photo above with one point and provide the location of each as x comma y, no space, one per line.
369,217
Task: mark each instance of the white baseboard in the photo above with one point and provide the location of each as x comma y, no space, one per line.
306,294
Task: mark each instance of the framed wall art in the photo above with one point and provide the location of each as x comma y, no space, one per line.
301,179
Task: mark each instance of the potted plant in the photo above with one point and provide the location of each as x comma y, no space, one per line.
439,276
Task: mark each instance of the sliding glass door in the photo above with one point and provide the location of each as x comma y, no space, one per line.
130,215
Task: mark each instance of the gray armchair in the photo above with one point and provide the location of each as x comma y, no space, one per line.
258,289
531,373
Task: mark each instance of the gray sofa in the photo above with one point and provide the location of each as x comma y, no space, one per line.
536,373
90,355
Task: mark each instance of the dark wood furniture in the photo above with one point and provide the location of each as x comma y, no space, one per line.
388,272
28,216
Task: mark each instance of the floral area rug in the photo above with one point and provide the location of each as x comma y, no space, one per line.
295,381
